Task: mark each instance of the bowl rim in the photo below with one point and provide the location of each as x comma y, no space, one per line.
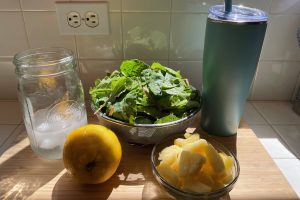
197,194
112,120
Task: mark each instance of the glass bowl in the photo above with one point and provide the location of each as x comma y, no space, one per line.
177,192
143,134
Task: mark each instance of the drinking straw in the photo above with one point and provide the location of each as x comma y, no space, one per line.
228,6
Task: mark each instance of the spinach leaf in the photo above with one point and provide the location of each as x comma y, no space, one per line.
143,120
117,85
165,69
169,118
142,94
155,89
175,90
124,110
151,111
133,68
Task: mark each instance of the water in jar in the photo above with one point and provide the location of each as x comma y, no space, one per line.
51,126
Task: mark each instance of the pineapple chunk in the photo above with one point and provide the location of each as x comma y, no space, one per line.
197,146
193,138
226,179
228,163
193,185
181,142
218,185
193,164
189,163
205,178
168,173
187,135
169,154
214,159
175,164
207,169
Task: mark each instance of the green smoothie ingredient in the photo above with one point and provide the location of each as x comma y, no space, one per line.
143,94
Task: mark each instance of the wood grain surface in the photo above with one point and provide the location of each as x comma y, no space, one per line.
23,175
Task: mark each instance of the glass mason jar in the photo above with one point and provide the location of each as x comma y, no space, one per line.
52,99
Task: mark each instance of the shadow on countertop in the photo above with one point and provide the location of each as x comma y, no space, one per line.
22,172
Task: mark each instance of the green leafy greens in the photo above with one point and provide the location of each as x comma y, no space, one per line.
143,94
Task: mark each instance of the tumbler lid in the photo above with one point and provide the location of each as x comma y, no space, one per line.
239,13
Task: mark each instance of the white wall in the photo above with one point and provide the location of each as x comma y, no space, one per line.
137,25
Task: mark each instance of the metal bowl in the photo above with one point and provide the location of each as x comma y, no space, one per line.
147,133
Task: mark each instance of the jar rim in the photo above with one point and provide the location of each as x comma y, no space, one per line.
42,57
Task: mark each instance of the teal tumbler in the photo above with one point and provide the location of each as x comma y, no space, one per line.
233,42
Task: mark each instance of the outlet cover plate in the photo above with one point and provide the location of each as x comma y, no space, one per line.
101,8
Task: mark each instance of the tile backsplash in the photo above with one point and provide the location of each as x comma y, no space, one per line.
169,31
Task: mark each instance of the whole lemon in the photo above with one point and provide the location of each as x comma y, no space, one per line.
92,153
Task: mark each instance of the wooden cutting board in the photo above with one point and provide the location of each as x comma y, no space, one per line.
23,175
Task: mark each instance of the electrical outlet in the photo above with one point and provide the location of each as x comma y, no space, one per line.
83,18
74,19
91,19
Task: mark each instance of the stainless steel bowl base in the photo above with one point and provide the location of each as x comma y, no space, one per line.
143,134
